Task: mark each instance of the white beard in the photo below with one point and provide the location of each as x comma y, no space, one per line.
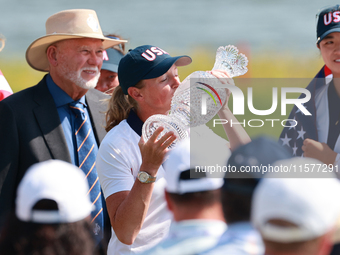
79,81
76,78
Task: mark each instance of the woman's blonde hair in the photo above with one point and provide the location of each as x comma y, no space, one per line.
120,106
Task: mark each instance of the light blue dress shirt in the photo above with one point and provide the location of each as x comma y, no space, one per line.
189,237
240,239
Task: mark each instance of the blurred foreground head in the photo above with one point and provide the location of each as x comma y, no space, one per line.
52,212
297,215
246,164
183,191
57,181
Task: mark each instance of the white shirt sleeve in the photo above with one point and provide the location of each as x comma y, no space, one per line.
117,160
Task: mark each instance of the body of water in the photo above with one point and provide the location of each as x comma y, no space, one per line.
176,25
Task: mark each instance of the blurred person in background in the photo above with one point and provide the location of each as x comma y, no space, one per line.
194,202
317,135
108,79
297,216
5,89
52,215
241,238
62,116
130,169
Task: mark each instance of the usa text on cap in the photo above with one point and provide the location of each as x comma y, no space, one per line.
146,62
328,21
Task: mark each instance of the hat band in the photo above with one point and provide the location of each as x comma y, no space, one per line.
286,234
40,216
198,185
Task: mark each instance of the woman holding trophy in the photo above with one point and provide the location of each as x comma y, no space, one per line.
129,168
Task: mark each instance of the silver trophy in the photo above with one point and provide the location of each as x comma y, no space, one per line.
198,89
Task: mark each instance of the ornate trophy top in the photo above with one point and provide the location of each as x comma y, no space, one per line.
187,101
228,58
200,84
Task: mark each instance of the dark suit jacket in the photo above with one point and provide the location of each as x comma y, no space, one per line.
31,132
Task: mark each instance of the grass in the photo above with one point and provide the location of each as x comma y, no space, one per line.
19,74
269,64
271,69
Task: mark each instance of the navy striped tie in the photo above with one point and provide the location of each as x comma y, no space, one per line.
87,151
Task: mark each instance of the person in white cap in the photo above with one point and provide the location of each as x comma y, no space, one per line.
297,216
52,214
40,123
194,202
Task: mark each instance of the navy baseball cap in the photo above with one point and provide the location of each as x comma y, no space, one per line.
146,62
261,151
327,21
111,60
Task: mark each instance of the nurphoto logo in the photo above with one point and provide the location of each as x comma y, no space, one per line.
238,100
210,93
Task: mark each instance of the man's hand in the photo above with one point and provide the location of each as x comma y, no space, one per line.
317,150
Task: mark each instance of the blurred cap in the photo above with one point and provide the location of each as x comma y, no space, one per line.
146,62
58,181
111,60
328,21
177,172
310,204
261,151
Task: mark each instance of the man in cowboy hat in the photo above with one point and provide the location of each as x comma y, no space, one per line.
38,123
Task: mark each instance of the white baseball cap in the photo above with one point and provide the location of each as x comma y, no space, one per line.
55,180
177,171
311,204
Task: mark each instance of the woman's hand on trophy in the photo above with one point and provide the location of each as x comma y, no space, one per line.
154,150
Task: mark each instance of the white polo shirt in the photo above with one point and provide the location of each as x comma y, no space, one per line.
118,163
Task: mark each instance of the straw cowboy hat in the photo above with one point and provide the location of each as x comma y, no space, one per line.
68,24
